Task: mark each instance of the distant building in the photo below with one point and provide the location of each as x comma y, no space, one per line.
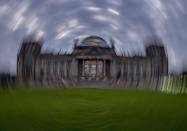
92,62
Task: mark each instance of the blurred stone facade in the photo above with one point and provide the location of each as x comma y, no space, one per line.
92,62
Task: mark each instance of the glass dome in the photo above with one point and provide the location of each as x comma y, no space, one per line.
94,41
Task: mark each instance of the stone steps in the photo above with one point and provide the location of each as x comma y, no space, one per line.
93,84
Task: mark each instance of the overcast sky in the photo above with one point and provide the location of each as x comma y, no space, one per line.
128,22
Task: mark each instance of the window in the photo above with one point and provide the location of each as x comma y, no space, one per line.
132,71
41,73
137,70
125,71
144,75
55,68
156,66
62,69
68,68
48,68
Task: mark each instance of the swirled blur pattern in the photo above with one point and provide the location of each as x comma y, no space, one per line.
128,22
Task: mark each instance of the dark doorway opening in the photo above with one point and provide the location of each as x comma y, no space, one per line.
80,64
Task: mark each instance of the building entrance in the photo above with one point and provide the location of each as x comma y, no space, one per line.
91,69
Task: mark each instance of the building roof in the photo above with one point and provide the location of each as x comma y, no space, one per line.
94,41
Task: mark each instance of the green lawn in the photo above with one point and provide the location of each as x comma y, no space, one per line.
91,109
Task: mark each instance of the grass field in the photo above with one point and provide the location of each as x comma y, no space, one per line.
91,109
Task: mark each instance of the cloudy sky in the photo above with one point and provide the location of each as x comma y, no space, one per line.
128,22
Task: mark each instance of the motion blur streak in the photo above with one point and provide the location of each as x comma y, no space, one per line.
129,23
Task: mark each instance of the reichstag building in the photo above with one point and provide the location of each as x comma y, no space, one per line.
93,62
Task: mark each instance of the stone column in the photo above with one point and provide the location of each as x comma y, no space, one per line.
83,67
104,68
96,69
